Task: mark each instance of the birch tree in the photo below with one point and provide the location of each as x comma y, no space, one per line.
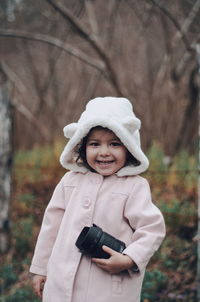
5,159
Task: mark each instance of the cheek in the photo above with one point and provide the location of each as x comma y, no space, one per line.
89,154
122,156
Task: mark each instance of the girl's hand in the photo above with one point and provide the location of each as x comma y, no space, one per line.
116,263
38,284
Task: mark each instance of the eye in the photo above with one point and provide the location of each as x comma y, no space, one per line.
116,144
93,144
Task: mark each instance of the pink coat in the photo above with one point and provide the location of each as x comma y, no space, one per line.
121,206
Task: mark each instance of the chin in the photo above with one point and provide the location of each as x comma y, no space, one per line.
106,173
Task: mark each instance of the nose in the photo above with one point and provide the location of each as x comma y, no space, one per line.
104,150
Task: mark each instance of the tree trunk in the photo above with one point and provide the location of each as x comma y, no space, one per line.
5,159
198,230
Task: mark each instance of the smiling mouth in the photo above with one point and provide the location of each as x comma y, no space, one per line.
104,162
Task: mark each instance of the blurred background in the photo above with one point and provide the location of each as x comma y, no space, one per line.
57,55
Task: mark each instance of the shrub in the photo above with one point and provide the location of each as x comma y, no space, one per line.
23,232
153,284
8,276
21,295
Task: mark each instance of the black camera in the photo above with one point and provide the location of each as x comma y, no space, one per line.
91,240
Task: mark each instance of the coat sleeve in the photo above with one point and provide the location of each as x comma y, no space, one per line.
147,223
51,222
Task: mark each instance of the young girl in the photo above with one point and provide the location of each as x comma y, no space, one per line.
104,157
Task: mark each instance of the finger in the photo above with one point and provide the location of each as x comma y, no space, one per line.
108,250
102,264
99,261
38,287
41,288
37,290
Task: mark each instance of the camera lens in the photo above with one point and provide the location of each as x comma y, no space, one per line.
91,240
112,242
88,239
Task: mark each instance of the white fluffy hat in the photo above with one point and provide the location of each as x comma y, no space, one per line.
115,114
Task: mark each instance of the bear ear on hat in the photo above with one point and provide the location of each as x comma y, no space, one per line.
131,123
70,129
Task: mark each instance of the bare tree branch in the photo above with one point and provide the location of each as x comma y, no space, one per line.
182,35
185,59
78,27
189,20
54,42
91,16
19,106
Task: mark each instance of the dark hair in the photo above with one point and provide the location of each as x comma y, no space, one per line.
81,151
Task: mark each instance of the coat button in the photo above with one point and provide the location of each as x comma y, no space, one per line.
87,203
96,179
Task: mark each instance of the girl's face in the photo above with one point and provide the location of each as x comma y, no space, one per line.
104,152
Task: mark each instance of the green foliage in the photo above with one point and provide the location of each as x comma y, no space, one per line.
27,199
34,165
179,171
174,189
24,294
8,276
178,213
158,163
184,171
154,282
22,234
157,158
